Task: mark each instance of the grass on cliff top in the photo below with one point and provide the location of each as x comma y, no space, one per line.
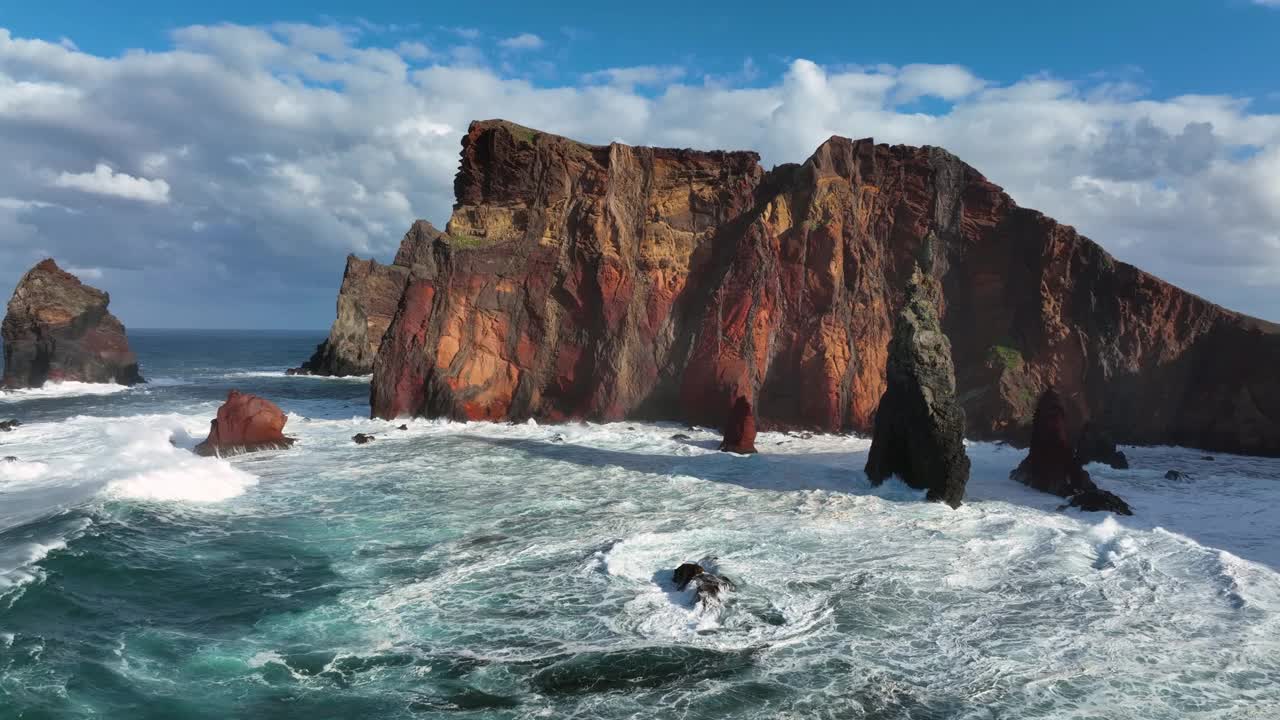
462,240
1006,356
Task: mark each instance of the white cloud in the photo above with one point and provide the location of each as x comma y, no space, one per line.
413,50
290,146
639,75
105,181
523,41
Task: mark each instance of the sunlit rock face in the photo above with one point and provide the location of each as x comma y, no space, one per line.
603,282
58,329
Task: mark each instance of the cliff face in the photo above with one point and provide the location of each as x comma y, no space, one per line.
367,300
57,328
579,281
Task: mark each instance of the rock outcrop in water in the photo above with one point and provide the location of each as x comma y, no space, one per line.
367,300
57,328
919,426
1095,445
245,423
1052,466
707,585
604,282
740,430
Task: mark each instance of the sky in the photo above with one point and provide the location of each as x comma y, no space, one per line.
211,164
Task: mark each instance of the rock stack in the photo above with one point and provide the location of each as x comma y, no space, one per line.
1052,466
740,431
919,426
57,329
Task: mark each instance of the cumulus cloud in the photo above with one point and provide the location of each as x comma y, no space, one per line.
249,160
523,41
105,181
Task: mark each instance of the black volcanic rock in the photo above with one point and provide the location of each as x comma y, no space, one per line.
1052,466
919,426
1097,445
57,328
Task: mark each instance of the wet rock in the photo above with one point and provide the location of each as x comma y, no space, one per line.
919,426
680,436
1176,475
1210,458
1052,466
740,431
1097,445
10,458
58,329
8,425
1099,500
403,427
707,585
245,423
362,438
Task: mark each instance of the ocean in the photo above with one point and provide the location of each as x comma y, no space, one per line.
476,570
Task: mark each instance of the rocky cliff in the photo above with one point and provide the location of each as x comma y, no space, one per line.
602,282
57,328
367,300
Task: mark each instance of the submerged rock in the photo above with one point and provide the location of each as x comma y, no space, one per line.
919,426
57,328
362,438
10,458
1097,445
1176,475
1052,466
245,423
740,430
8,425
707,585
403,427
680,436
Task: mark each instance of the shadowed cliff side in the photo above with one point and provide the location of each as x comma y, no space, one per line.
602,282
367,300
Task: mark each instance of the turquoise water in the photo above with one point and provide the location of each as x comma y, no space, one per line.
521,571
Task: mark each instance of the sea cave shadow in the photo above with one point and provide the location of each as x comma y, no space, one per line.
829,471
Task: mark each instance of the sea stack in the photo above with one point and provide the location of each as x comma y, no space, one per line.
1052,466
58,329
245,423
740,431
367,300
919,426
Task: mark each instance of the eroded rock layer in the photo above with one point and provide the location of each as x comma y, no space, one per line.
58,329
602,282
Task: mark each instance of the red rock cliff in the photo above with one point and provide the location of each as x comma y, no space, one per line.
580,281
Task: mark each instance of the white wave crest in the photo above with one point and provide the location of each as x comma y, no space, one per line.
69,388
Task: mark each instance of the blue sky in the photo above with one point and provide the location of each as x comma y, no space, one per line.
211,164
1173,47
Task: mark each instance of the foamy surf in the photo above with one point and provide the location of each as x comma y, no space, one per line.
61,390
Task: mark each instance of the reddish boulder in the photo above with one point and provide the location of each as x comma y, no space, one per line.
245,423
740,431
605,282
57,328
1052,466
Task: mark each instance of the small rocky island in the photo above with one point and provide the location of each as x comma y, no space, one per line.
58,329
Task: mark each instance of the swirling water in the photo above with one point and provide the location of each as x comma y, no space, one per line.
515,571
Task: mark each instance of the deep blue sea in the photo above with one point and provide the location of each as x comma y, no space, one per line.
475,570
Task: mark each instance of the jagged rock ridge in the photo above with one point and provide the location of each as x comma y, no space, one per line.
58,329
367,300
602,282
